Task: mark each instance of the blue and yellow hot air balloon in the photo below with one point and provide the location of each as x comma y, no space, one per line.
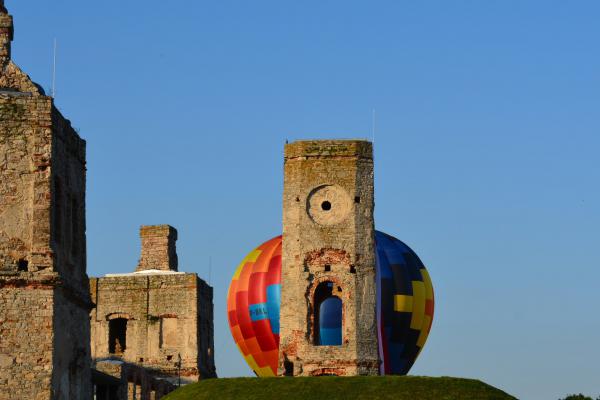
405,306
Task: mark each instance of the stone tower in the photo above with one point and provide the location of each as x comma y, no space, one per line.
155,315
328,252
44,292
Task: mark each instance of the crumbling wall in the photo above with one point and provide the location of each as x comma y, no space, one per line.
32,266
169,314
25,150
44,298
164,313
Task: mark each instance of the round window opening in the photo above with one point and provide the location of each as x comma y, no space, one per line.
328,205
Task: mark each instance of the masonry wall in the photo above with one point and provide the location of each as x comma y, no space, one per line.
68,208
328,236
167,315
25,151
26,350
44,297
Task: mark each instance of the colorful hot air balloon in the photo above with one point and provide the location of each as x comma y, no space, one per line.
404,304
253,307
404,307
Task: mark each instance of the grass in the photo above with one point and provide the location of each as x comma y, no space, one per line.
339,388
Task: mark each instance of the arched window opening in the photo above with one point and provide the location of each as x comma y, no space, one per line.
117,335
328,316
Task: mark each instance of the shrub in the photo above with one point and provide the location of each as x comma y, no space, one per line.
578,397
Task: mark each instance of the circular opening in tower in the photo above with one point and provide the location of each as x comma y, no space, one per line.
329,205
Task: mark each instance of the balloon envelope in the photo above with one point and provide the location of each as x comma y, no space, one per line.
330,322
405,305
253,307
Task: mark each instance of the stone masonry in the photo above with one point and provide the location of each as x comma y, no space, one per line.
44,295
155,315
328,238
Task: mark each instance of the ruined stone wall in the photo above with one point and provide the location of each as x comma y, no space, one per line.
328,236
26,337
32,156
71,373
164,313
25,150
40,358
44,321
68,211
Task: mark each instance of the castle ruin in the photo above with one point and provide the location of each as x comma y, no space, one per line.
148,328
155,317
44,292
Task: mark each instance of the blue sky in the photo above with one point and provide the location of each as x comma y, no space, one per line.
486,151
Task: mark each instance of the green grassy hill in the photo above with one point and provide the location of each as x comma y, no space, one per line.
339,388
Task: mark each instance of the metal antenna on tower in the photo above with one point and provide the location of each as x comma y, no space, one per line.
209,268
373,126
54,71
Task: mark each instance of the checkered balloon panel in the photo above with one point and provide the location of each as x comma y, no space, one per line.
404,304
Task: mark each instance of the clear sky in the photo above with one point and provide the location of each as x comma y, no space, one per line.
486,151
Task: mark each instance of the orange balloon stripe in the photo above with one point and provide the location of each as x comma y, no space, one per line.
230,298
244,278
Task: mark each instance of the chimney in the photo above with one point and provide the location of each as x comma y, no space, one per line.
158,248
6,34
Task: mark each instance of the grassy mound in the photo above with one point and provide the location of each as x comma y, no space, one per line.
339,388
